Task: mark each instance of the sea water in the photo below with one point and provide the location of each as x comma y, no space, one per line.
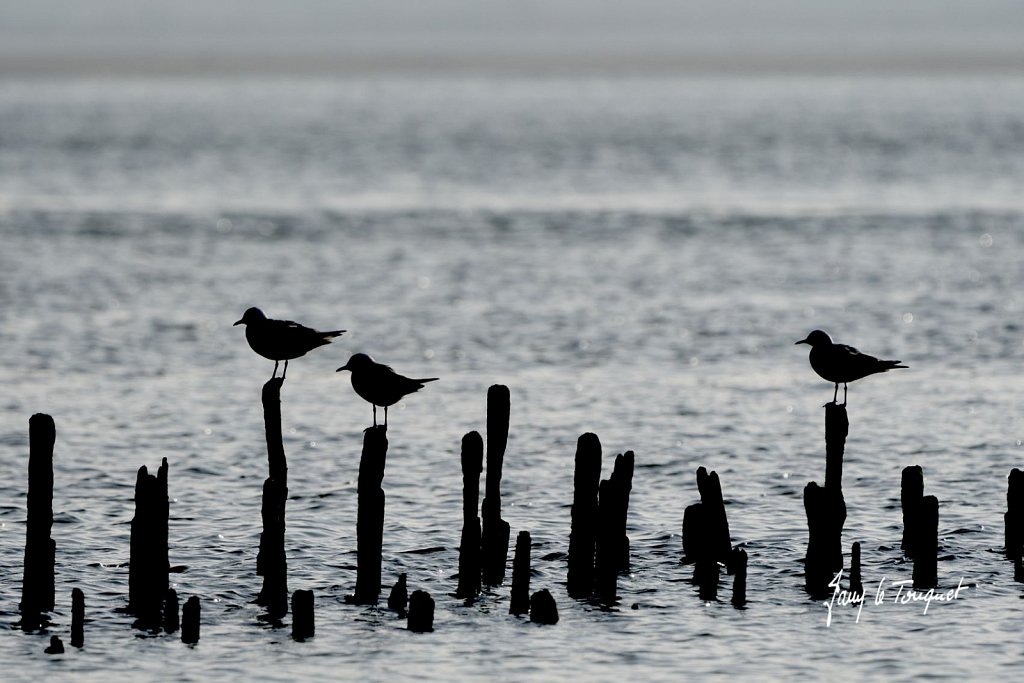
630,256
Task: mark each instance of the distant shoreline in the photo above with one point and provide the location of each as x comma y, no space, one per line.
24,64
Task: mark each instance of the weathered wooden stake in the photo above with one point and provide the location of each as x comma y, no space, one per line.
370,517
399,596
421,612
520,601
190,614
911,493
303,624
926,547
37,588
826,507
495,529
543,609
1014,518
718,538
469,545
271,562
583,535
612,548
56,646
739,581
149,567
171,620
77,617
856,583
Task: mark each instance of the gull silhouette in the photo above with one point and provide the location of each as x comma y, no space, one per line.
841,363
281,340
378,384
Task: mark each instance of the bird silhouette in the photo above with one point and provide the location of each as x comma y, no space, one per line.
841,363
281,340
378,384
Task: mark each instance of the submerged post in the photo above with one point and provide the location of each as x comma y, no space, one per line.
495,529
398,598
469,545
856,582
421,612
583,534
739,581
190,614
1014,518
520,600
926,547
612,548
271,562
543,609
37,588
370,517
911,493
303,623
77,617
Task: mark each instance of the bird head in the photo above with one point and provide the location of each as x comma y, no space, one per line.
253,315
356,362
817,338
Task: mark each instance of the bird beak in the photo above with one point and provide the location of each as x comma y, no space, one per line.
343,367
238,323
802,341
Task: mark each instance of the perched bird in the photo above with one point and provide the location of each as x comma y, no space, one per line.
380,385
281,340
841,363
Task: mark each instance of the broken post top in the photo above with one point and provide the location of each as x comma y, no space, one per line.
498,408
41,430
472,455
272,389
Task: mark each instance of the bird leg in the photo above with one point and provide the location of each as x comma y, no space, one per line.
844,393
275,370
385,417
835,395
374,414
285,370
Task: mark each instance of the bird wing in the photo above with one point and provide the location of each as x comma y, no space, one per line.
858,365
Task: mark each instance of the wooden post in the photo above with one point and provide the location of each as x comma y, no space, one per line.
1014,518
399,596
856,583
583,535
37,588
543,609
926,547
495,529
739,581
826,508
612,548
271,561
190,614
303,624
520,600
421,612
713,503
77,617
911,493
149,568
171,620
469,545
370,517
